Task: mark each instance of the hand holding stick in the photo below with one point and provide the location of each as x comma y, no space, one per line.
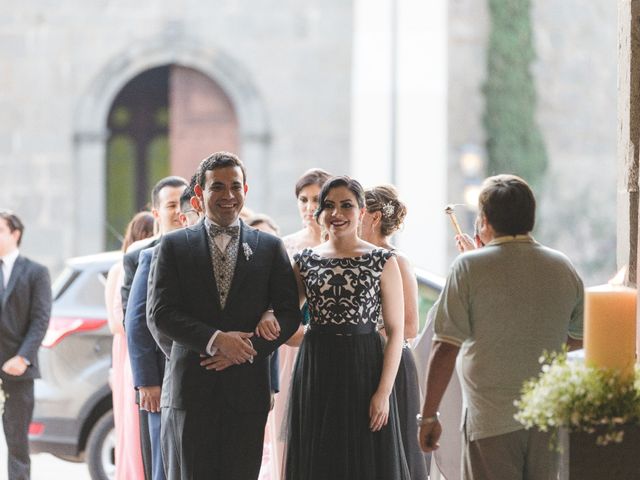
449,210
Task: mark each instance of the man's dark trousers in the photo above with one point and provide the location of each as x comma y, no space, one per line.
18,411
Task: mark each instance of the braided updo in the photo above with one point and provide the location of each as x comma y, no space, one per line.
384,199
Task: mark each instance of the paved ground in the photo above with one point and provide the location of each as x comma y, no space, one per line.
45,466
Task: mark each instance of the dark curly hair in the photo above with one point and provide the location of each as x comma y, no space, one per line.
219,160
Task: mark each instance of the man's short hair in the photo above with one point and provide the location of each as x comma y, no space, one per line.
220,160
13,222
508,204
172,181
185,199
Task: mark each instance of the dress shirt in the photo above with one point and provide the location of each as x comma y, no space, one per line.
7,265
222,241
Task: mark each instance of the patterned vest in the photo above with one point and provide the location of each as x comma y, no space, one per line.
224,265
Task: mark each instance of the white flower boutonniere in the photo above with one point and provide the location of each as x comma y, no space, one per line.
247,251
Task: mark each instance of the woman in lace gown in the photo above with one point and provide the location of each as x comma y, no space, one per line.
383,216
343,421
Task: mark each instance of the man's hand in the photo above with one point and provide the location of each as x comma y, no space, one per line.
15,366
218,362
464,243
150,398
236,346
268,328
429,435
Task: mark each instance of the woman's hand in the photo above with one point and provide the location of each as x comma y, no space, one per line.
378,411
268,327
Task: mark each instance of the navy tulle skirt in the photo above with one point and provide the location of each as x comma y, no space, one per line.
333,381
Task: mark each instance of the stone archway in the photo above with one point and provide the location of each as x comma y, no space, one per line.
90,133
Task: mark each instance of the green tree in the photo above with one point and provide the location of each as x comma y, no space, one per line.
514,141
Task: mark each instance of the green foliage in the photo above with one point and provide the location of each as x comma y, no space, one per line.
514,142
575,396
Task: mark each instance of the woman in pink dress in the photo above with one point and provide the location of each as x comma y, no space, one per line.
307,191
125,410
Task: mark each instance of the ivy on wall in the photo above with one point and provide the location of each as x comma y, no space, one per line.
514,141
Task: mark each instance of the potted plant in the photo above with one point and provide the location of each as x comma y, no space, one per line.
593,414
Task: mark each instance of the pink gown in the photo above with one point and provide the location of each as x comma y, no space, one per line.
125,411
274,451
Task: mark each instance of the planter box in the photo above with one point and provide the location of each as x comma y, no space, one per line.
582,459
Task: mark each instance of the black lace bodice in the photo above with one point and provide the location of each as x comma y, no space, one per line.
343,292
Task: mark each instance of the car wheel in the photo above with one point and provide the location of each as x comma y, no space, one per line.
100,454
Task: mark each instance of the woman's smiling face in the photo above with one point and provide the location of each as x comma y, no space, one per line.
341,213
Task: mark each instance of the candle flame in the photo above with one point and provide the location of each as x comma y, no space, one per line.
620,277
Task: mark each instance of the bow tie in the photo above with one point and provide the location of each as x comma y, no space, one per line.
215,230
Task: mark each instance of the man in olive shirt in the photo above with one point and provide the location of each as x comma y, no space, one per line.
502,306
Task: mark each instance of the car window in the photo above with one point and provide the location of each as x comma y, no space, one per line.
91,291
79,289
63,281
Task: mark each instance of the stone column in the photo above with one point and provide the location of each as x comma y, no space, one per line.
628,136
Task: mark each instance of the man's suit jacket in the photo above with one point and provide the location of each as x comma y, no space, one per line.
187,309
163,341
24,315
147,360
130,265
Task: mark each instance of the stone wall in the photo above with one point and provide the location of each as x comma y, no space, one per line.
62,66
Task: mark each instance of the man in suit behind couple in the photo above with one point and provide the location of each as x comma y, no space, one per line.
213,281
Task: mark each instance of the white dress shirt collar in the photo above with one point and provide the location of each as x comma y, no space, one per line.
222,241
8,261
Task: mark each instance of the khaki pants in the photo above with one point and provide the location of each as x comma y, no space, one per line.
519,455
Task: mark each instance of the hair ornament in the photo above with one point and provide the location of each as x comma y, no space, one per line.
388,209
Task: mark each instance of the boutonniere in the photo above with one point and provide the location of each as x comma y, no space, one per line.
247,251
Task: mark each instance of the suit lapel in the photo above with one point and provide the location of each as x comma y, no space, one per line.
248,237
19,268
201,256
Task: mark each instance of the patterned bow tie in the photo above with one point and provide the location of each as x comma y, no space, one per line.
215,230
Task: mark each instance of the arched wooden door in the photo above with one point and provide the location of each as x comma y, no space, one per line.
163,122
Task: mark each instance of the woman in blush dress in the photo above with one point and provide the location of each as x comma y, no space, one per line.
125,411
383,216
307,190
343,419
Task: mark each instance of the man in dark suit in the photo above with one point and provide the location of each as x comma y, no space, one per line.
147,360
169,440
25,306
213,281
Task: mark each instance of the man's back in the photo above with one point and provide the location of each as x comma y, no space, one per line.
507,303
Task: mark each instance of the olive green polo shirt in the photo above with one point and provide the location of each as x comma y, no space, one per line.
503,305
